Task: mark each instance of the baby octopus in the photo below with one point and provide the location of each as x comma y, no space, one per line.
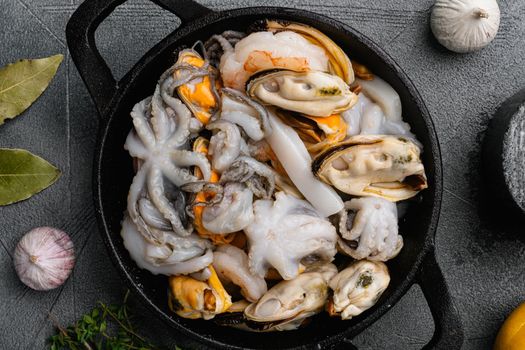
159,142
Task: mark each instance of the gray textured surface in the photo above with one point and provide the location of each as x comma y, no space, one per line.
482,256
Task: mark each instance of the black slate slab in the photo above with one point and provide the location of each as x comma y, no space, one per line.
504,154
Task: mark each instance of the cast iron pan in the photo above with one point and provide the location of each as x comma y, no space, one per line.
113,172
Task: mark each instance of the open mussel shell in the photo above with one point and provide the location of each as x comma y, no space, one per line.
230,319
191,298
357,288
313,93
339,62
317,133
234,316
286,305
373,165
307,129
361,71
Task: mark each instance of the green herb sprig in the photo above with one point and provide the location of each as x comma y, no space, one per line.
104,327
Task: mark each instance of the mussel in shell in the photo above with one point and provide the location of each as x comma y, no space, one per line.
373,165
286,305
191,298
317,133
357,288
339,63
312,93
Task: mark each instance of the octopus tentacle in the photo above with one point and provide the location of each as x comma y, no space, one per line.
358,223
232,264
219,44
151,215
183,116
177,176
224,42
140,117
185,158
155,185
343,223
177,256
225,45
135,194
159,117
194,264
135,146
225,144
263,119
257,176
213,85
194,74
200,186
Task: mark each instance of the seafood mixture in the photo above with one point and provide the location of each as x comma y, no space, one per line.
260,158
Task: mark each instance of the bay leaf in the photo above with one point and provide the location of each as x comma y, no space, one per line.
23,174
22,82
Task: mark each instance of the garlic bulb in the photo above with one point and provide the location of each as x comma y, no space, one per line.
465,25
44,258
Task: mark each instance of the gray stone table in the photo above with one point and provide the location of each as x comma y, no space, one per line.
481,253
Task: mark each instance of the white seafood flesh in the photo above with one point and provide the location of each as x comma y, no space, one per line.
231,263
192,298
313,93
339,63
358,287
233,213
152,216
259,162
217,44
246,113
373,165
177,255
159,142
284,232
384,95
225,144
371,223
368,118
296,160
257,176
294,300
264,50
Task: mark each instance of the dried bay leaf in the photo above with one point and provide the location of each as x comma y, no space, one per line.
22,82
23,174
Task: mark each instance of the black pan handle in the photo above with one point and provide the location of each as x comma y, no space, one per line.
80,34
448,329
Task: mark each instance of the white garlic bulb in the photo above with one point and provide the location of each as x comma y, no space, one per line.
44,258
465,25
